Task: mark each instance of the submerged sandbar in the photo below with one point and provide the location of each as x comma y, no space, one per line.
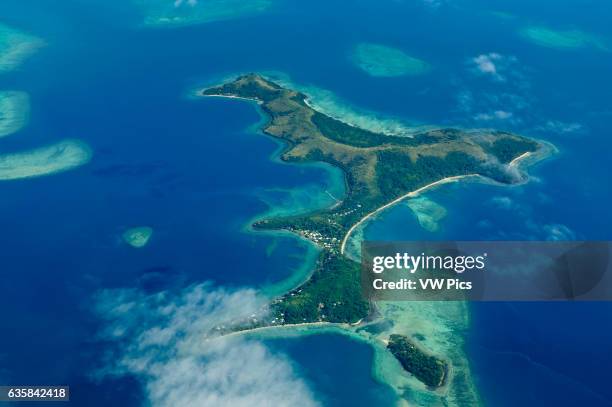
562,39
58,157
15,47
383,61
14,111
163,13
138,237
427,212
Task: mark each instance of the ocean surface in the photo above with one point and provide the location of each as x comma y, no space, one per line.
197,171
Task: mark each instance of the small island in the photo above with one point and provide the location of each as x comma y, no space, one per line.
138,237
428,369
380,170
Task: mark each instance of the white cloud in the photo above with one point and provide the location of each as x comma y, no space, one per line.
497,90
486,63
495,115
430,4
562,128
503,202
558,232
502,115
513,174
433,3
493,65
484,224
549,231
179,3
169,342
465,101
506,99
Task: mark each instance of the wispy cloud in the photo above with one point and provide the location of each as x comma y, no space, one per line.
561,128
493,65
558,232
170,343
496,115
430,4
485,63
526,227
503,202
433,3
497,91
179,3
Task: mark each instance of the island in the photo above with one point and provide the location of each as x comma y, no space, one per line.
380,170
428,369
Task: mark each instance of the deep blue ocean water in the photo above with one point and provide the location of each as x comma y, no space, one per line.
194,170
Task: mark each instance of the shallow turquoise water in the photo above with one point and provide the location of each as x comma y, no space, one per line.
195,172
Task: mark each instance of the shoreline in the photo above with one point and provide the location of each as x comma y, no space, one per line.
409,133
410,194
271,328
342,327
385,368
201,94
526,159
515,162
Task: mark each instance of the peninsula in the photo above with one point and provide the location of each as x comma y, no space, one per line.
380,170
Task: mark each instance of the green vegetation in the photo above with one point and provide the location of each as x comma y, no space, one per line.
396,173
357,137
333,294
428,369
378,169
250,90
507,149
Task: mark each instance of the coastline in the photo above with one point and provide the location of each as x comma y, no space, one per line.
272,328
526,159
347,113
301,274
442,326
517,160
200,93
410,194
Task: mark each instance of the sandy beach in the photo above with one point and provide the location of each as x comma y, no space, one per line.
313,325
201,94
518,159
401,198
